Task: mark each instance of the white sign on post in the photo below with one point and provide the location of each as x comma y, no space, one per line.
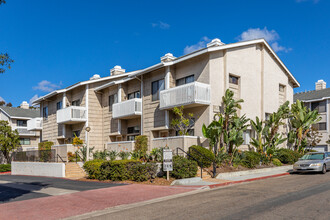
167,160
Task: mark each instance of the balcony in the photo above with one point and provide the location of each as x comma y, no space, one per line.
34,124
188,95
23,131
128,109
71,115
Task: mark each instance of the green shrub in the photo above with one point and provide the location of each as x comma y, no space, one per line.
183,168
5,168
47,145
116,170
142,172
113,154
124,155
209,156
99,154
250,159
141,144
276,162
287,156
45,153
92,168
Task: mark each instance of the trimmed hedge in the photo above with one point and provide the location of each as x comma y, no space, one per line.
250,159
92,168
116,170
5,168
183,168
142,172
207,153
119,170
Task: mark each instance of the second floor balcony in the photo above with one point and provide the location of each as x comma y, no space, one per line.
71,115
34,124
188,95
23,131
131,108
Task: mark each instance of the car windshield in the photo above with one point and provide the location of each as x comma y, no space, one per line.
313,157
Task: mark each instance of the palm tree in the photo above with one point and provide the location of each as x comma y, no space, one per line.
301,121
258,142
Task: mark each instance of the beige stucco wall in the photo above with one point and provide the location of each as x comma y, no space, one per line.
260,75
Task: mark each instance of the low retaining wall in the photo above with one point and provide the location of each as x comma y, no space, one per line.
254,171
38,169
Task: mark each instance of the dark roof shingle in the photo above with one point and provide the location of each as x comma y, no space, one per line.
312,95
20,112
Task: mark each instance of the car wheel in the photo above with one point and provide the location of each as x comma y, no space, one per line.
324,169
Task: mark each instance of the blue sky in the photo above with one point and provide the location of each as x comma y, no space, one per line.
58,43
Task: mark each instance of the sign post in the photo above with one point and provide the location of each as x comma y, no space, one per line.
167,162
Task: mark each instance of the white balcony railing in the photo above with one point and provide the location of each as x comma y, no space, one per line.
71,115
23,131
127,109
188,94
34,124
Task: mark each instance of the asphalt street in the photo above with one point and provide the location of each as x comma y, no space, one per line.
18,188
297,196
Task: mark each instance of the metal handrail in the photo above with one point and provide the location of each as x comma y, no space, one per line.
213,161
77,154
58,156
201,164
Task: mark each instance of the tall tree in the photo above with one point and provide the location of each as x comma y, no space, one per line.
9,140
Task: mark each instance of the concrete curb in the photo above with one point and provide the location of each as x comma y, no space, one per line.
247,180
186,181
255,171
5,172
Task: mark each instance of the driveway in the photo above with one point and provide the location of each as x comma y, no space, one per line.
18,188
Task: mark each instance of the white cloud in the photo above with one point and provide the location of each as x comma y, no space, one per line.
46,86
271,36
255,33
161,25
1,99
201,44
35,97
277,48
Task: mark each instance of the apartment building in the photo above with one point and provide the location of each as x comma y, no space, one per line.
319,99
121,106
18,119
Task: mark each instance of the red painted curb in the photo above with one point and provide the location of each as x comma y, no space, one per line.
247,180
5,172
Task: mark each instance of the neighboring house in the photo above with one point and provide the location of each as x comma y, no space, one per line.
120,107
319,99
18,118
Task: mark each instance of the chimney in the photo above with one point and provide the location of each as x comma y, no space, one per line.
320,84
116,70
167,58
215,42
95,76
25,105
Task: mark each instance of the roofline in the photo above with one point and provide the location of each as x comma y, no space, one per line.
313,100
204,51
5,112
13,116
42,98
